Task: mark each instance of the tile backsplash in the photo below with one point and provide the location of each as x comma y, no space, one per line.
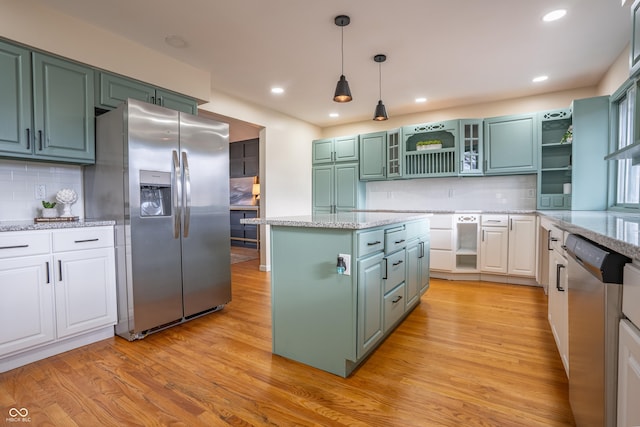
512,192
20,181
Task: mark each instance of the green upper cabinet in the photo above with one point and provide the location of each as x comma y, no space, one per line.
511,144
112,90
421,161
15,100
331,150
634,48
555,159
471,147
394,154
63,110
46,107
373,156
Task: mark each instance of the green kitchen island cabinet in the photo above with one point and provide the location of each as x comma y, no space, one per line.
333,321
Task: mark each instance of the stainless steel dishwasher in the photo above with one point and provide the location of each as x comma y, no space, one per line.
595,308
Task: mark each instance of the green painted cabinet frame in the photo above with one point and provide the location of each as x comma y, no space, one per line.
336,187
332,150
112,90
511,144
46,107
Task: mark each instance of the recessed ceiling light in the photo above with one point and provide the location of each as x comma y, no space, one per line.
554,15
420,100
277,90
540,79
334,115
175,41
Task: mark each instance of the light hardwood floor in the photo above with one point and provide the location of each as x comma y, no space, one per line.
471,354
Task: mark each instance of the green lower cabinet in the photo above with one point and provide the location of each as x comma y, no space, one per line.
334,321
511,144
112,90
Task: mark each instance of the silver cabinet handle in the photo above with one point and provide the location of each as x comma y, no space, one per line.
558,268
186,200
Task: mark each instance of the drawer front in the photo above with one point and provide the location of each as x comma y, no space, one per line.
394,240
416,229
441,221
556,239
370,242
442,239
495,220
396,270
440,260
393,307
24,243
85,238
631,294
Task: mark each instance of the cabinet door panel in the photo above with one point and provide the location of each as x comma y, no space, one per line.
373,156
370,315
15,99
114,90
63,109
346,148
85,290
414,274
494,249
322,151
522,245
511,144
323,188
26,303
346,176
176,102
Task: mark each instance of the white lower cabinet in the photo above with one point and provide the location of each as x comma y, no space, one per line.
494,245
441,251
508,245
558,304
628,375
522,245
57,292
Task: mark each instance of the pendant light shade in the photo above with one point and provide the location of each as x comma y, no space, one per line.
381,111
343,93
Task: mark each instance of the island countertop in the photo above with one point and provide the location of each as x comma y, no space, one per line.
30,225
343,220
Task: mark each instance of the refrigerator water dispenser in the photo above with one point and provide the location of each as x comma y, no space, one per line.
155,193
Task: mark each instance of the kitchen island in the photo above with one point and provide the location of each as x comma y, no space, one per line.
340,283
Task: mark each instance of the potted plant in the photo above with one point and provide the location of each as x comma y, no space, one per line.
568,135
432,144
49,209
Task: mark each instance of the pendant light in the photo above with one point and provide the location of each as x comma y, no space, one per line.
343,93
381,111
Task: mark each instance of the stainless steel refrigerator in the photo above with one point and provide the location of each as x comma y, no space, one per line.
163,176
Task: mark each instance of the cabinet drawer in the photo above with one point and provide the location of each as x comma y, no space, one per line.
442,239
441,221
24,243
395,271
85,238
393,306
370,241
395,239
417,229
495,220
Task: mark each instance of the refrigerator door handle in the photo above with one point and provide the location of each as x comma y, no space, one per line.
176,195
186,201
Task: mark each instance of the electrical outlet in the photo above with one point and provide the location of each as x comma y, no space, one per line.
347,263
40,191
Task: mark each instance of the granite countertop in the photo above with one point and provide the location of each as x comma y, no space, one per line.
344,220
30,225
618,231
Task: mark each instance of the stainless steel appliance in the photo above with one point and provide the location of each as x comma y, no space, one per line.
595,308
163,176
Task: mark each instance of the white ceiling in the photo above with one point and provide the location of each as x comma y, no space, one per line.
453,52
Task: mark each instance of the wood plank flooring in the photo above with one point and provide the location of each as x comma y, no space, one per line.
471,354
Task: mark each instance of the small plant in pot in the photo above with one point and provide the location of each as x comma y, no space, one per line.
432,144
49,209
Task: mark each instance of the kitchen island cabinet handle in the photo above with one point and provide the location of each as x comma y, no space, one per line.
28,139
421,250
86,240
14,247
396,299
386,269
377,242
397,263
397,242
40,140
558,268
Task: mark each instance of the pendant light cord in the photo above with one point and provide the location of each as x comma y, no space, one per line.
342,50
380,80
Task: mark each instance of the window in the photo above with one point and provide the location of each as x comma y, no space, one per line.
628,178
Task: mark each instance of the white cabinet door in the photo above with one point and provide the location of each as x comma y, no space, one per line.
522,245
558,305
26,303
494,244
441,251
628,375
85,290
